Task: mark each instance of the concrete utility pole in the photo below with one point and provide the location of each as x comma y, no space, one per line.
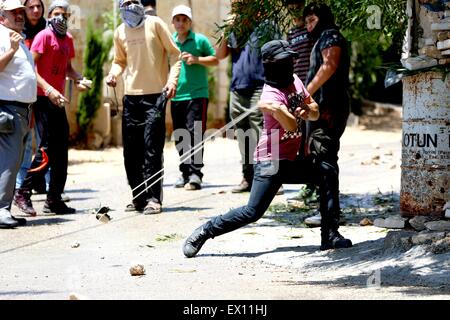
426,111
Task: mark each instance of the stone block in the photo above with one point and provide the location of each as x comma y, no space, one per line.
445,53
443,35
440,26
441,225
444,61
398,240
427,237
428,51
418,222
419,62
443,45
441,246
379,222
395,223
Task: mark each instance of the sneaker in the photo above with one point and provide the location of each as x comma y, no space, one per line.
181,182
194,242
244,186
23,202
7,222
313,221
57,207
335,241
195,183
316,220
152,207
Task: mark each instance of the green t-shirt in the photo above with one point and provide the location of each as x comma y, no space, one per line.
193,81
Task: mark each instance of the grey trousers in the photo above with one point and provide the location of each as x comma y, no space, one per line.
12,146
248,130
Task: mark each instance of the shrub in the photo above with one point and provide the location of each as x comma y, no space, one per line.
95,55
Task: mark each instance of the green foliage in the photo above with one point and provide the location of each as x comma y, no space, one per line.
370,47
95,55
246,15
111,21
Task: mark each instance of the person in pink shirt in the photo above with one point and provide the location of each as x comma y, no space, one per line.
53,51
285,103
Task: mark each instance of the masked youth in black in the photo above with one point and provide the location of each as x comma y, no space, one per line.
279,74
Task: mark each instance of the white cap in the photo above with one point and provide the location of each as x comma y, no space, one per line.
9,5
182,9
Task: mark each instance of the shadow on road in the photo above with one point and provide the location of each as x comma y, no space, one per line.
298,249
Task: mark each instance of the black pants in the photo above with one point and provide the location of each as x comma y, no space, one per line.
189,125
53,128
269,176
144,132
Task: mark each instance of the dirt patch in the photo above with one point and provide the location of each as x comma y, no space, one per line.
381,117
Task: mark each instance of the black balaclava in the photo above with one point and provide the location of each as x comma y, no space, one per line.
31,31
279,74
326,18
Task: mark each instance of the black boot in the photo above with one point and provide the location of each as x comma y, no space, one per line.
330,236
335,241
57,206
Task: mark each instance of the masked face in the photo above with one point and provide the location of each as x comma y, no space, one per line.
132,14
59,25
279,74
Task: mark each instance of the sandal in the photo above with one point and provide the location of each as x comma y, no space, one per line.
132,207
152,208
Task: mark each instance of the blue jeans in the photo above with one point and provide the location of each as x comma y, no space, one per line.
27,156
268,178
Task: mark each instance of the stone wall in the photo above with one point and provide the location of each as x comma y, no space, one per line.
205,15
